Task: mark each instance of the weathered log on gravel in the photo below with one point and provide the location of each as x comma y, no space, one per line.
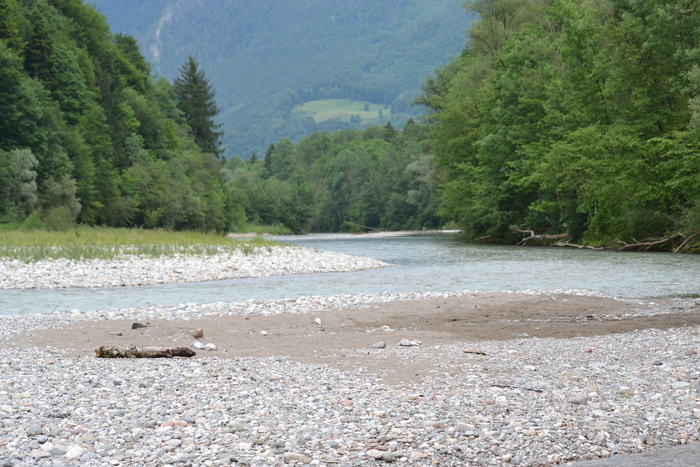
134,351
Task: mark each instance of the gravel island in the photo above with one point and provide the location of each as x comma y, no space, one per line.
133,270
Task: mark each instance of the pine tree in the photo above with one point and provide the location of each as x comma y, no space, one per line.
196,101
267,161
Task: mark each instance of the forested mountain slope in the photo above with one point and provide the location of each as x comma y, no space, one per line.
88,135
266,57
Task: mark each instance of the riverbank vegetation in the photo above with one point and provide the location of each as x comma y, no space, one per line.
573,118
108,243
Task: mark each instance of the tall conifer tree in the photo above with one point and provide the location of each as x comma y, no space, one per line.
196,100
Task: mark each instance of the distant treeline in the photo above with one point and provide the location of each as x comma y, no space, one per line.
350,180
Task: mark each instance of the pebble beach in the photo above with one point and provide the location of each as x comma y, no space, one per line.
524,401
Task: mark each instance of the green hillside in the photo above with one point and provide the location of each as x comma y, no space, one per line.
88,135
266,57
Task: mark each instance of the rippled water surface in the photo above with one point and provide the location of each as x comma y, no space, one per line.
422,264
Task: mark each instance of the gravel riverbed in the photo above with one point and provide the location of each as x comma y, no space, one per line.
132,270
525,401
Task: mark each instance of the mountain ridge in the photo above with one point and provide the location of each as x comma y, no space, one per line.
265,58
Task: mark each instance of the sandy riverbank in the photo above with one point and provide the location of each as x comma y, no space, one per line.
324,336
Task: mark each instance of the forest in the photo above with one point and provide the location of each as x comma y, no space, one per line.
578,119
350,180
88,135
569,121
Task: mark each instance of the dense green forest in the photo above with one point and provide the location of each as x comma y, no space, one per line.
377,178
267,57
572,117
88,135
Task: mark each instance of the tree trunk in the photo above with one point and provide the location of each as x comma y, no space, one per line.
133,351
534,236
646,246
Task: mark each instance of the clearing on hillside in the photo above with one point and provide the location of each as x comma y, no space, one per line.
346,110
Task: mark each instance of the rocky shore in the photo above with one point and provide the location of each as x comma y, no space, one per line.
408,379
132,270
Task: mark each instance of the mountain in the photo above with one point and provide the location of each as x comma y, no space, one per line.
267,58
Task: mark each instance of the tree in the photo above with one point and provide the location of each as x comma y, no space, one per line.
196,100
9,29
18,191
39,54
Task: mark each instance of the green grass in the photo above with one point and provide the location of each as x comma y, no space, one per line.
343,109
109,243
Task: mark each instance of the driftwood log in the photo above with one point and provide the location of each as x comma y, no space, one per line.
687,241
646,246
563,240
533,236
134,351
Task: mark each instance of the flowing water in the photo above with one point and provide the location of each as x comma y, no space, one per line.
422,264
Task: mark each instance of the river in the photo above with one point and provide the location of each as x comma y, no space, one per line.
442,263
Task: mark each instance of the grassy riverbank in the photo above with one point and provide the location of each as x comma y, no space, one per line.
106,243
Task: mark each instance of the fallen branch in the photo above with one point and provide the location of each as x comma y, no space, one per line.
685,243
534,236
646,246
588,247
133,351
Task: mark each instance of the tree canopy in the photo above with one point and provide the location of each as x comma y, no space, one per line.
88,135
572,117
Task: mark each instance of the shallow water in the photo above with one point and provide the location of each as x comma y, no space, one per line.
422,264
